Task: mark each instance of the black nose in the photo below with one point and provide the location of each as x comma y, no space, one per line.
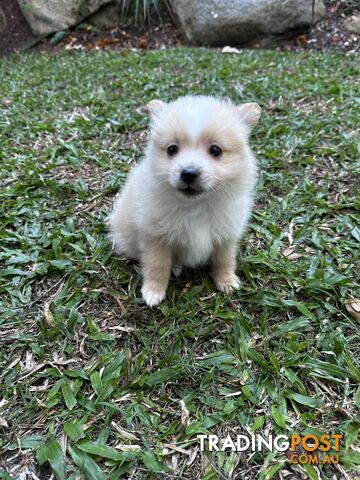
189,175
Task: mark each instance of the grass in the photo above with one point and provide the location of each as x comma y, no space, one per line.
142,11
93,384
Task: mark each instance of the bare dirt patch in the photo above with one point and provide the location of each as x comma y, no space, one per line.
330,33
15,32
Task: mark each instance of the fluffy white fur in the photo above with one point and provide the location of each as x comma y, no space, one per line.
155,221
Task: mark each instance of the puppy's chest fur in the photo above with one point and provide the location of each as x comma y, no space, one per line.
194,230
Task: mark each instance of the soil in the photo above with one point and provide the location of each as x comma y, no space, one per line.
328,34
15,32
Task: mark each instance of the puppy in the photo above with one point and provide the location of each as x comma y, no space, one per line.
188,201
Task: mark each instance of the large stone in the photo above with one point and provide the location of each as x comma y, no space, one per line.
107,17
352,24
223,22
47,16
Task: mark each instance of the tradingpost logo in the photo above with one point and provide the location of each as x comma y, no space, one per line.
300,449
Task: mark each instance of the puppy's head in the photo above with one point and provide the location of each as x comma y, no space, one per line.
199,144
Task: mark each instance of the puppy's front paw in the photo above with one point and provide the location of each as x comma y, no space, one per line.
227,282
152,295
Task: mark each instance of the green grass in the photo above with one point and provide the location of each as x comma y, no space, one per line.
93,384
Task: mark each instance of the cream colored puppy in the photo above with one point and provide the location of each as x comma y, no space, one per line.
188,201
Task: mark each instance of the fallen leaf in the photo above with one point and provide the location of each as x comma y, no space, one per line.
353,307
192,456
48,315
301,39
171,446
290,254
127,448
143,42
3,422
184,414
122,329
124,433
104,42
233,394
288,251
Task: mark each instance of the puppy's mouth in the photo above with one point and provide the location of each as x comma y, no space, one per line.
190,191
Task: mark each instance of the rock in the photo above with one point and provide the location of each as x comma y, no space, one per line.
107,17
224,22
352,24
47,16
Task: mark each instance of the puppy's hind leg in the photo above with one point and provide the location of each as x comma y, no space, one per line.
156,264
223,264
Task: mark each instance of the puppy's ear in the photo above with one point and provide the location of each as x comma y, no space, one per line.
249,114
155,106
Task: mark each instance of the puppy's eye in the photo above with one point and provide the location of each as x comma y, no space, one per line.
215,151
172,150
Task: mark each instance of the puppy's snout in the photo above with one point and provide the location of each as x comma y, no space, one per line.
189,175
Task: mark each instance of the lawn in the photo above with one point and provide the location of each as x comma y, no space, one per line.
95,385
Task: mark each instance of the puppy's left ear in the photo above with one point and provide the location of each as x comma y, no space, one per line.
155,106
249,114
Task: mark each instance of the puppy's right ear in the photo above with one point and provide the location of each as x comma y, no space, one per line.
249,114
155,106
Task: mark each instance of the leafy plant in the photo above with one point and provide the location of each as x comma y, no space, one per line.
143,11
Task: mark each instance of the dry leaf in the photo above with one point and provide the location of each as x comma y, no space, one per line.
192,456
290,254
49,318
353,307
124,433
127,448
104,42
171,460
3,422
171,446
184,414
288,251
301,39
122,329
233,394
143,42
